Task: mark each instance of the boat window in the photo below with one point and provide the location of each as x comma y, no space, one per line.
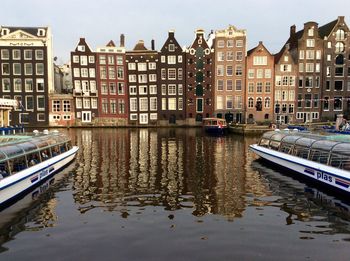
325,145
69,145
4,169
55,150
286,148
301,152
33,159
17,164
12,151
304,142
264,143
40,143
336,160
28,146
274,145
346,163
45,154
342,149
319,156
2,156
63,148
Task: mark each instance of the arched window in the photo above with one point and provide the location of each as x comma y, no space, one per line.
266,117
267,102
258,104
339,59
339,47
277,108
250,102
340,34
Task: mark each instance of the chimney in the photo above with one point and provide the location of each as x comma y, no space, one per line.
152,45
171,33
341,19
292,30
122,40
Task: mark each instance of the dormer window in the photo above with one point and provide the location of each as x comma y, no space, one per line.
310,32
41,32
340,35
5,31
81,48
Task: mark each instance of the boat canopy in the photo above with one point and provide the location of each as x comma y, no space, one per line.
16,146
324,149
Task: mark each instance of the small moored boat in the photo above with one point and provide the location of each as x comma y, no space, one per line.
215,126
27,160
320,157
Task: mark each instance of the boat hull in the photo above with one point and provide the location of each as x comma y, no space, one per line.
215,130
13,187
332,177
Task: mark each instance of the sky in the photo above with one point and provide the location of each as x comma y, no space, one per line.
104,20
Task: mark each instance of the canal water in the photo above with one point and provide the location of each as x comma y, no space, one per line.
173,194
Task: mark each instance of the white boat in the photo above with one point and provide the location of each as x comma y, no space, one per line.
325,159
27,160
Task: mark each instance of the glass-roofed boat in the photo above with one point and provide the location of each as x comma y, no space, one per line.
27,160
325,158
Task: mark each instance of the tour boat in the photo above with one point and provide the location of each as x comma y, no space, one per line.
324,158
215,126
27,160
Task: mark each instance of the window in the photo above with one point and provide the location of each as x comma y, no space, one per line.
40,103
152,66
121,88
153,103
301,67
16,54
310,43
301,54
132,78
229,102
326,104
179,74
251,87
267,87
238,85
259,87
229,85
66,106
86,103
171,104
339,47
267,73
338,106
83,60
179,58
308,81
121,106
339,35
318,54
171,89
307,100
309,67
238,70
120,60
5,69
142,67
163,89
229,70
24,118
267,102
143,104
78,103
239,56
104,106
17,83
180,104
220,70
153,89
91,59
338,85
84,72
56,105
102,59
171,47
5,54
133,104
221,56
219,102
260,60
230,43
112,88
229,56
131,66
110,59
259,73
39,69
172,59
251,73
310,54
111,72
238,102
30,103
39,54
40,85
28,86
143,89
172,74
28,54
153,77
17,69
315,101
221,43
239,43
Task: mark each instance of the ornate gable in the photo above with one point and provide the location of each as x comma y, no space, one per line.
19,34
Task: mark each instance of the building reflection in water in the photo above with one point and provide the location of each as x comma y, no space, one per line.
173,168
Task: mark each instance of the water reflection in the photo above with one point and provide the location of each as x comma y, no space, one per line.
173,168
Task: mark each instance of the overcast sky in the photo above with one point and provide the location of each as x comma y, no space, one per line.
103,20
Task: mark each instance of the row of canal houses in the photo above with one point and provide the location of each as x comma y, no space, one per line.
307,80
